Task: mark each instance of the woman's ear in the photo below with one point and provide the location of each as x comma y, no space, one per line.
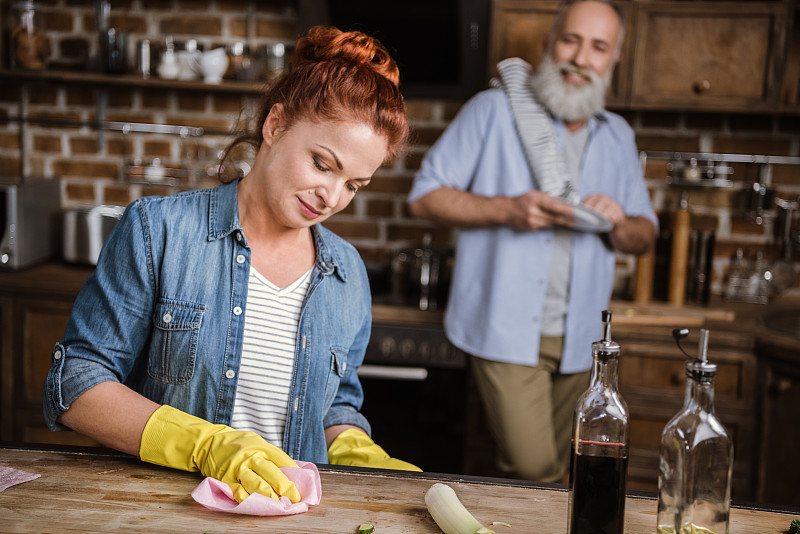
274,124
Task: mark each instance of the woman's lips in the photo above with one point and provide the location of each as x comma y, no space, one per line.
309,211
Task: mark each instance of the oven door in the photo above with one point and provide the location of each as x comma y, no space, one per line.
414,384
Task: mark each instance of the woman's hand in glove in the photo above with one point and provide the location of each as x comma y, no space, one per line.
355,447
243,460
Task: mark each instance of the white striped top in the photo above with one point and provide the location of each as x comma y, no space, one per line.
270,333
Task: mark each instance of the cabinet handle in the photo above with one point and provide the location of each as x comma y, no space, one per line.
701,87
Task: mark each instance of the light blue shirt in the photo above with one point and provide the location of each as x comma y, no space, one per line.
164,312
500,274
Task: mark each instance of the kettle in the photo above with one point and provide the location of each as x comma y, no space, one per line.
421,275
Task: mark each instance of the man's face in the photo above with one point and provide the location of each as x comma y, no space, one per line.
586,40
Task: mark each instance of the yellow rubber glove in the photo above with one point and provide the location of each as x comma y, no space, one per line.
243,460
354,447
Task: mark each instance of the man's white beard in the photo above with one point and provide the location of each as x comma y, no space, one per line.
565,100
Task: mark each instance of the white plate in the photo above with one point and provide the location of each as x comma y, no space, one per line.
588,220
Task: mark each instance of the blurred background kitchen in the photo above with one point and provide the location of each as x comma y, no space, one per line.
105,102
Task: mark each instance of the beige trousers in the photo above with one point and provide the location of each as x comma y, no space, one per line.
530,412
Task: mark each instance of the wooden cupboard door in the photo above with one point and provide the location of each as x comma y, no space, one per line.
779,431
43,326
519,28
707,56
7,378
790,92
39,325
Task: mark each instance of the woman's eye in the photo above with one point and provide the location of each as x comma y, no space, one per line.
353,188
319,165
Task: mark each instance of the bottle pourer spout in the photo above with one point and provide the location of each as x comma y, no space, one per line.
607,326
702,353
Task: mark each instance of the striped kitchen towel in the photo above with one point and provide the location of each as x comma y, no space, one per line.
535,130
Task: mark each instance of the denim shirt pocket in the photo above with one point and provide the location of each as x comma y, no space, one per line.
337,371
173,350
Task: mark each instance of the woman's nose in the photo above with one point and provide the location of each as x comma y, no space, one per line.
329,194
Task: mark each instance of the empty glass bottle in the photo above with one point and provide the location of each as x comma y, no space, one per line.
600,446
696,457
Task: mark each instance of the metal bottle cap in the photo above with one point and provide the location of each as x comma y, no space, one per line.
606,348
701,369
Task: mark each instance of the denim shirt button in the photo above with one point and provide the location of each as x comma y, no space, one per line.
57,355
237,310
240,258
167,317
230,373
239,237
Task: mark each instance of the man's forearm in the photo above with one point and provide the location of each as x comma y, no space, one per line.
633,235
453,207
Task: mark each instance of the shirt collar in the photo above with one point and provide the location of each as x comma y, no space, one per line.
223,211
223,220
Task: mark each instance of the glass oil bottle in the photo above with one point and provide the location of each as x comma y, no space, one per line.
600,446
695,457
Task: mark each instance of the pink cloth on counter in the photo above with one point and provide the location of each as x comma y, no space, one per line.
11,477
217,495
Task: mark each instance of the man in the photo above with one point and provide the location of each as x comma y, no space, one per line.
529,282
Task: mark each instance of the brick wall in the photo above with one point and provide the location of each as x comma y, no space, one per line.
60,142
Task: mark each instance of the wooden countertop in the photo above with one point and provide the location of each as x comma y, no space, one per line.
625,313
88,492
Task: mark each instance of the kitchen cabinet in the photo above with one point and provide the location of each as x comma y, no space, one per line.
778,352
790,92
34,308
780,427
708,55
703,55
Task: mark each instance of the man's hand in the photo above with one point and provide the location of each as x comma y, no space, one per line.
606,206
631,235
535,210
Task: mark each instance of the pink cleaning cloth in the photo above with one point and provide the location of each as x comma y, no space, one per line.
11,477
217,495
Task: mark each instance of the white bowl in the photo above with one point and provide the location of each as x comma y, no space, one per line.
213,65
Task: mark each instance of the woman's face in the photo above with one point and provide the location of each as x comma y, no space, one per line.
313,169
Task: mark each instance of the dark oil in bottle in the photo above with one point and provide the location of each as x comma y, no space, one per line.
598,498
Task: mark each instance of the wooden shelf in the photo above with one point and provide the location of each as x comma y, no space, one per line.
128,80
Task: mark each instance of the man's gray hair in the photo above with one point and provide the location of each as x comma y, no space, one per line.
566,4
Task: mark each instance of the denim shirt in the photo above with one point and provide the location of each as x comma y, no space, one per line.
499,281
164,311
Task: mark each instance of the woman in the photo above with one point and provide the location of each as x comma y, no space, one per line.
232,305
